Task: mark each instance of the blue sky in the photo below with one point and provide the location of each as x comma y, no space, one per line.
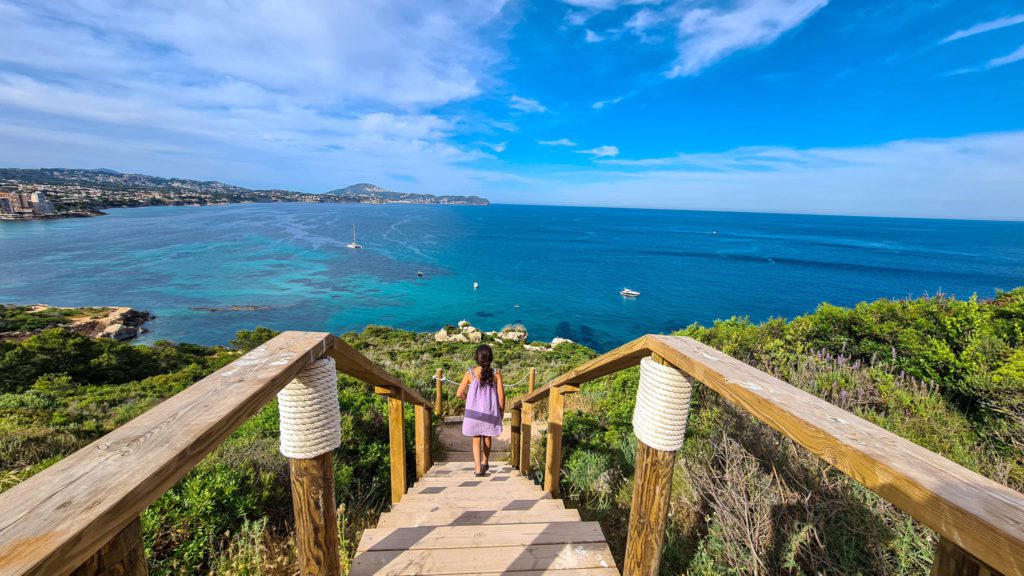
898,108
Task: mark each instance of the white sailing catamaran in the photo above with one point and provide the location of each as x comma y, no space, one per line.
354,244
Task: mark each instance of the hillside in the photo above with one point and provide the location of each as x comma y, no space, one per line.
91,190
947,374
371,193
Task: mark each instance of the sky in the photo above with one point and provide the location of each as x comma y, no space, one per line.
860,107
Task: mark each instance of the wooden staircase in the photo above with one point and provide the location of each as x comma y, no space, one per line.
452,522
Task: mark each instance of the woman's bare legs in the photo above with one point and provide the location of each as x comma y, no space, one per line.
476,453
486,450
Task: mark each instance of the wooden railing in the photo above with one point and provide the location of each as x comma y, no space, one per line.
980,522
81,515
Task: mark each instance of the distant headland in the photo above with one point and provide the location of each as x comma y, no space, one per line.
63,192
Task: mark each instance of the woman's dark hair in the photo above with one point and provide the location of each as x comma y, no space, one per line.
484,356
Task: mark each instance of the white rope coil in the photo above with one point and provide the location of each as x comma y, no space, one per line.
662,406
310,417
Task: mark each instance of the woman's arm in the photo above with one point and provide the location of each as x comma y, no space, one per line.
501,390
461,393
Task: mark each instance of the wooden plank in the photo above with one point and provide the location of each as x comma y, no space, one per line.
533,379
623,357
479,499
979,515
451,517
553,457
422,432
483,491
951,560
350,361
526,433
434,477
123,555
572,572
517,421
648,513
396,433
51,523
437,401
428,538
420,503
497,559
316,515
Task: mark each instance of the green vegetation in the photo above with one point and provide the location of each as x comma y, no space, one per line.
946,374
29,319
943,373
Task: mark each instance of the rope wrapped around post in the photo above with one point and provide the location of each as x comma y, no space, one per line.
310,432
659,420
662,406
310,417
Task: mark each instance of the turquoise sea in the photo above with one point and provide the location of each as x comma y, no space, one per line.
562,266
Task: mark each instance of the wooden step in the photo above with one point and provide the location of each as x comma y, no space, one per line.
451,517
411,502
489,560
480,536
476,494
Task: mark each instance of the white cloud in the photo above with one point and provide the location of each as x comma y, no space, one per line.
984,27
602,152
600,5
602,103
559,142
976,176
1015,56
643,20
318,85
593,37
499,147
528,105
707,35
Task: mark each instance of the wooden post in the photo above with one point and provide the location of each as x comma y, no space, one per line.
316,515
525,436
422,441
437,401
513,446
533,378
652,488
123,555
396,431
553,459
951,560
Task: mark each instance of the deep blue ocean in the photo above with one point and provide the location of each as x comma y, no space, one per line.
563,267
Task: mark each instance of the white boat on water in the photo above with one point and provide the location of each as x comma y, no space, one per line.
629,293
354,244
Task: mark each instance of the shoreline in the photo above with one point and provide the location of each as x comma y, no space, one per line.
119,323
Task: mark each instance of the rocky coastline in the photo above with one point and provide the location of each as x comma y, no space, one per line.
466,332
118,323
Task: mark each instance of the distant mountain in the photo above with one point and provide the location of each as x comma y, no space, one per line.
75,191
373,194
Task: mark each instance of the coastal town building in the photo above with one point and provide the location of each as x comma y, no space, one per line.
16,205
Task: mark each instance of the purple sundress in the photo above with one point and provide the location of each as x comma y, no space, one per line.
483,416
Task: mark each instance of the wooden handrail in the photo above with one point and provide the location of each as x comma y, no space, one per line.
57,519
975,513
351,362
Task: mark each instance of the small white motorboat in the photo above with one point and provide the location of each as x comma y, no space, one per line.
475,285
353,244
629,293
